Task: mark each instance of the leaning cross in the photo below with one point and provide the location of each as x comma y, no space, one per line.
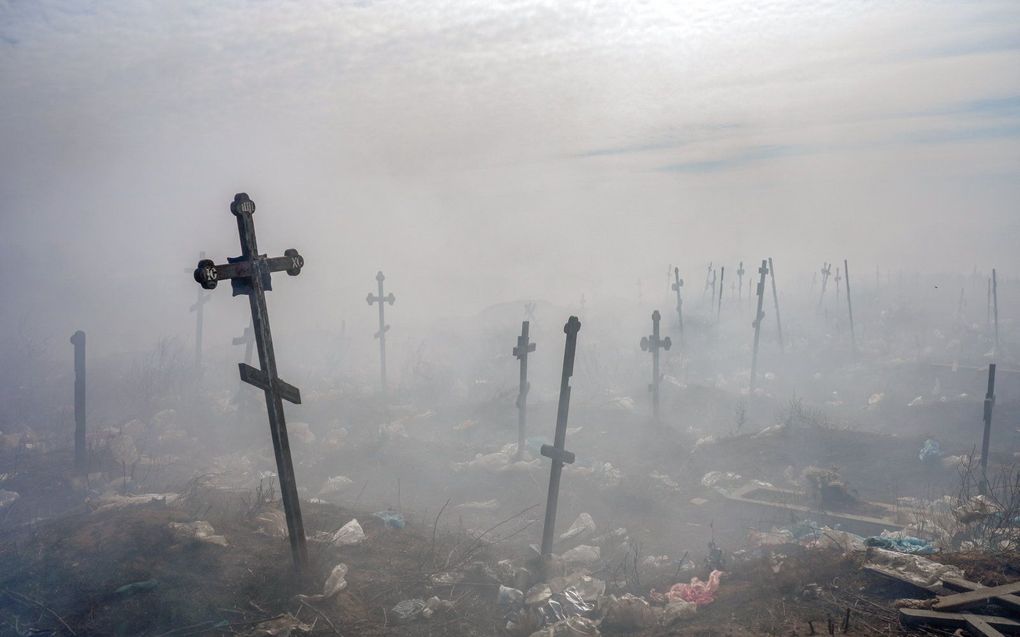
758,316
989,404
524,347
80,459
653,344
383,327
250,274
197,308
557,451
677,284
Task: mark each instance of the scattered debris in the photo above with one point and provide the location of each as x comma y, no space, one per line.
697,592
582,527
393,519
350,533
199,530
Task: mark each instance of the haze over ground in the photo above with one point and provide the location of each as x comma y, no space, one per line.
481,153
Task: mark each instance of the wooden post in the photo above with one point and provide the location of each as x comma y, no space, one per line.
758,316
80,452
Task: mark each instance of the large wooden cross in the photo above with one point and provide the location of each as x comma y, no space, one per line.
250,274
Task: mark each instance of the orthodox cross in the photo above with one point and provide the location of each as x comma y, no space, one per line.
524,347
653,344
557,452
250,274
759,315
383,327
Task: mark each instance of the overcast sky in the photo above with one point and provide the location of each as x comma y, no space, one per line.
485,152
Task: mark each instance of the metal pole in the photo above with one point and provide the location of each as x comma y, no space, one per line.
759,315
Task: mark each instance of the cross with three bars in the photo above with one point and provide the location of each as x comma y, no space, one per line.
524,347
383,327
653,344
250,274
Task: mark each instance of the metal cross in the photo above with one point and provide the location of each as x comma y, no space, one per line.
557,451
653,344
759,315
383,327
838,279
203,298
250,274
524,347
995,309
677,284
826,271
740,279
247,338
708,280
775,302
80,457
989,404
529,311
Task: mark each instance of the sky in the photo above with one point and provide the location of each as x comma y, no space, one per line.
488,152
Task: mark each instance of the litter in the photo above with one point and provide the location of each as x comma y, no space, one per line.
486,505
583,526
930,451
589,588
272,523
434,606
285,626
913,568
976,508
7,498
901,543
336,582
627,612
722,481
509,597
582,554
350,533
576,626
677,610
334,484
199,530
446,579
137,587
408,610
393,519
110,502
698,592
665,480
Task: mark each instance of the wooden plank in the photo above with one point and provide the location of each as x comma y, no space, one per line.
894,575
912,617
979,627
976,597
1011,602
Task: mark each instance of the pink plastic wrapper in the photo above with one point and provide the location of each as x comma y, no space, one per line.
697,592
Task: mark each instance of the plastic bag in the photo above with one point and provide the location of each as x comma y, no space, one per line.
583,526
408,610
698,592
393,519
350,533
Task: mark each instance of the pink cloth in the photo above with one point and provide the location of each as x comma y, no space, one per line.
697,592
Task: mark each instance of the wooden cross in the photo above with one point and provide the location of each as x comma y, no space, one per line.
250,274
838,279
80,452
653,344
759,315
203,298
677,284
383,327
524,347
557,452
